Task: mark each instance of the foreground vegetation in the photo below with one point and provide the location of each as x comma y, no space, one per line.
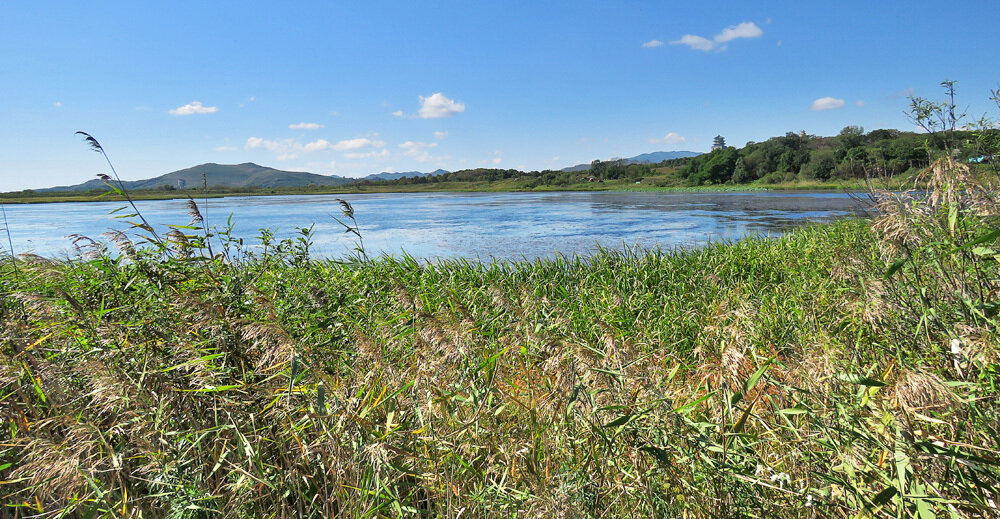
843,370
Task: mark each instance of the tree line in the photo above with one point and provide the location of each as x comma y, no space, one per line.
852,153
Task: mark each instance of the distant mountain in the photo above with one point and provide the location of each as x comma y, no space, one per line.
654,157
221,175
385,175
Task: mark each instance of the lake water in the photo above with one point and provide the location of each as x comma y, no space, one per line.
470,225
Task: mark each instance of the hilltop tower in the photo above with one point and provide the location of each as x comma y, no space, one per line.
718,143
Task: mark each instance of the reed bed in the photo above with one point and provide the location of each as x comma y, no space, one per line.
785,377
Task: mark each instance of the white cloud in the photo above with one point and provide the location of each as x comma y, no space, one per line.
378,155
273,146
418,150
225,148
652,43
305,126
317,145
353,144
397,113
194,107
695,42
743,30
670,138
826,103
906,92
290,148
440,135
497,157
438,106
733,32
859,102
57,104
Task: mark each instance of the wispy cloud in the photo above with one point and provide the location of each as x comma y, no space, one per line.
859,102
288,147
305,126
378,155
398,113
440,135
670,138
826,103
496,159
225,148
354,144
57,104
418,150
437,106
733,32
269,145
695,42
743,30
194,107
317,145
652,43
906,92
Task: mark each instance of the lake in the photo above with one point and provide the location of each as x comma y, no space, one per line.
469,225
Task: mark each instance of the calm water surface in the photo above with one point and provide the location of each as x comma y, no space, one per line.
470,225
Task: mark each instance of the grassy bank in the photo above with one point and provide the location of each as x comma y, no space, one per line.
763,378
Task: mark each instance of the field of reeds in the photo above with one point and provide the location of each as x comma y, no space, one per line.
847,370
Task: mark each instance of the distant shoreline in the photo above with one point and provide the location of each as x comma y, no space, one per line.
447,187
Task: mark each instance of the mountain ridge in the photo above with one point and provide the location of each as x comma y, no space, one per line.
249,174
652,157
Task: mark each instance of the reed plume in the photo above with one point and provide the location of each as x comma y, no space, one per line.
96,146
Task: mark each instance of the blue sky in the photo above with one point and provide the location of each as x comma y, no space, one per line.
349,89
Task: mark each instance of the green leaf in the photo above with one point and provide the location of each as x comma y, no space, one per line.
798,409
621,420
988,237
896,265
752,381
861,380
687,407
884,496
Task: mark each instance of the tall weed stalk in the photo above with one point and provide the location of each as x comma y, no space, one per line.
120,188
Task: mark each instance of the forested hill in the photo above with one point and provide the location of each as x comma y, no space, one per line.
851,154
645,158
793,157
220,175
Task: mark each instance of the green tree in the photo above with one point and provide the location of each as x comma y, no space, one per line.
740,174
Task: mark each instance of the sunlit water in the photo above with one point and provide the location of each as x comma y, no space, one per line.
450,225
